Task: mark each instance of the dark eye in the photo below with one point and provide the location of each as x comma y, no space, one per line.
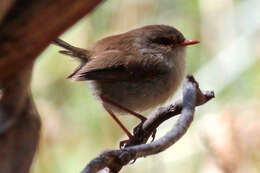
163,41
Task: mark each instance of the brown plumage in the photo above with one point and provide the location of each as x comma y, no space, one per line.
138,70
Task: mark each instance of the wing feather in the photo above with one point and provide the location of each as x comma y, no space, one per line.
114,65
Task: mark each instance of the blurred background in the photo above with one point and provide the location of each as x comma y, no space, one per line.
225,135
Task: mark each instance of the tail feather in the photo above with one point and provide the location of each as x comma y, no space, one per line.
81,54
67,52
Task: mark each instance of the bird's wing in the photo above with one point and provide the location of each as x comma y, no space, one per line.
115,65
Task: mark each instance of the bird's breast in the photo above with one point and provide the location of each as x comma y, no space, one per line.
145,94
141,95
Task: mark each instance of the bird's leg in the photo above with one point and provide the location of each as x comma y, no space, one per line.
118,122
139,116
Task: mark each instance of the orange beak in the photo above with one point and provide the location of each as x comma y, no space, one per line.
190,42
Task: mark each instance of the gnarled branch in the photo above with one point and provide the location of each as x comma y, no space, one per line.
116,159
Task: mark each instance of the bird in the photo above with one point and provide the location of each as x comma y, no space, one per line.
133,71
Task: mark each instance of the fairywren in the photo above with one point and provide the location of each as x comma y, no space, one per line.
134,71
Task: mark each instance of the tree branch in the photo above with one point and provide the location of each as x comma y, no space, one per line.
116,159
22,39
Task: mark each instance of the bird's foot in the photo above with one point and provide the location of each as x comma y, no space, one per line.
123,143
153,135
139,129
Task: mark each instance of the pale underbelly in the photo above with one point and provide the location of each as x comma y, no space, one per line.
137,96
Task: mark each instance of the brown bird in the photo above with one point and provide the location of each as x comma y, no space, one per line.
134,71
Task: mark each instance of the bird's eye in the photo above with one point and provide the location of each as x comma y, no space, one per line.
163,41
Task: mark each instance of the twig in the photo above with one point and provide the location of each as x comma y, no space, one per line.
116,159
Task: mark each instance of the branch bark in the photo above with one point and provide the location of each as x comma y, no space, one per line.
114,160
22,39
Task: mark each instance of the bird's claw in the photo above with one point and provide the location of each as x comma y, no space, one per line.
154,134
123,143
138,127
136,130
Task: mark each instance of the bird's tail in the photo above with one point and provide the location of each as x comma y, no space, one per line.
80,54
